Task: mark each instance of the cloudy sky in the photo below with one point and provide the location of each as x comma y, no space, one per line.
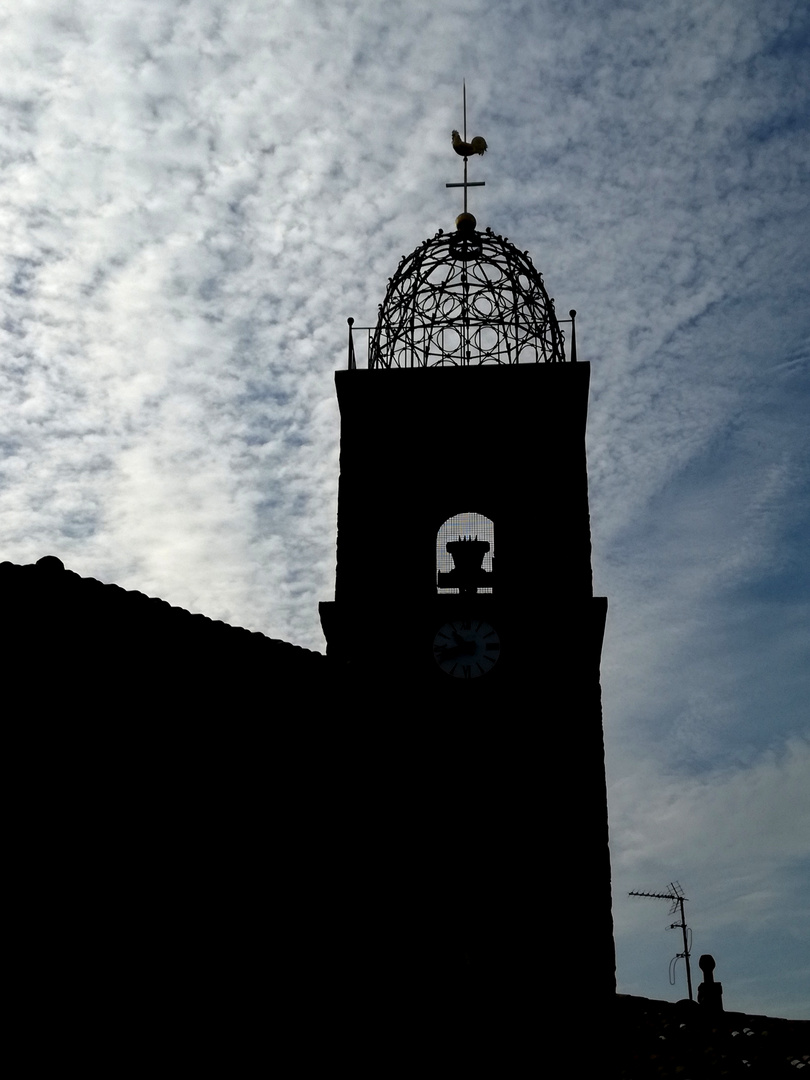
196,195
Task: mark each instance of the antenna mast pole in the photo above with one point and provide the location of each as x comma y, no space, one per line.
678,899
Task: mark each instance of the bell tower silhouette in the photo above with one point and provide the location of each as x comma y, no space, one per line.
467,642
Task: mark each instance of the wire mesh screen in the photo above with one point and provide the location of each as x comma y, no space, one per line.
464,526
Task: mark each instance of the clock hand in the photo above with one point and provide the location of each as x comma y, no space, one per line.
462,642
454,652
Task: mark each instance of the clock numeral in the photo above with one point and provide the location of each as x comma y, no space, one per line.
467,671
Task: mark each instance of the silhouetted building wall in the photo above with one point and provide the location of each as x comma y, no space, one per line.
490,822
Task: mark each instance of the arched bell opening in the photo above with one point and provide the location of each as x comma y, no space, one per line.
465,554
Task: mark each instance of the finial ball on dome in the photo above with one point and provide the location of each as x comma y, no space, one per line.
465,222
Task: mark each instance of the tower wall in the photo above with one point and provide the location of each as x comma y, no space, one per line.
479,802
419,444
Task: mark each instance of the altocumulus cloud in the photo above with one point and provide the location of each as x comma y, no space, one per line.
196,197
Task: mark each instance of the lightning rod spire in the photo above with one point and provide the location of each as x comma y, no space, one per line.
465,149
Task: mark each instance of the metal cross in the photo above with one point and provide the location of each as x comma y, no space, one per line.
472,183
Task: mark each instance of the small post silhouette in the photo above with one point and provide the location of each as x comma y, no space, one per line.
710,993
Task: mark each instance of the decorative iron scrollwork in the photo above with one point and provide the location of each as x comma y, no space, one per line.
464,298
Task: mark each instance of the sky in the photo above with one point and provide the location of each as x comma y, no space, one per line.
194,198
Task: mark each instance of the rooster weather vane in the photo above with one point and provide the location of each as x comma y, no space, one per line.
465,297
466,149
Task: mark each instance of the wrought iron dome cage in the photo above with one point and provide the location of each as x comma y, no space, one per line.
466,298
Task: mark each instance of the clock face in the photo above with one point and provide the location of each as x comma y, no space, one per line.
466,648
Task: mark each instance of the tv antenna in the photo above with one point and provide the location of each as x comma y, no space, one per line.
678,900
